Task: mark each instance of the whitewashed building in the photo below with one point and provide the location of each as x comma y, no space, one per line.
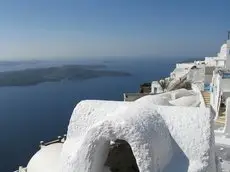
221,60
163,137
166,132
156,88
220,85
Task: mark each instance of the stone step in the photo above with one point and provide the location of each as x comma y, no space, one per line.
221,117
220,120
222,111
205,93
206,97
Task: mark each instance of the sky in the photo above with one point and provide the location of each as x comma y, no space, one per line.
58,29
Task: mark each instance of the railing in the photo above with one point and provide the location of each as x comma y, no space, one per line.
60,139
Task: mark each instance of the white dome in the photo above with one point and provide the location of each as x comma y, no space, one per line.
46,159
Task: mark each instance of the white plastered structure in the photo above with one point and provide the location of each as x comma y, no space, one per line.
162,137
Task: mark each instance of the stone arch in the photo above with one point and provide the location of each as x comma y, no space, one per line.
94,148
121,158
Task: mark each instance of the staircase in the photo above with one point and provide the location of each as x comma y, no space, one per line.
221,117
206,96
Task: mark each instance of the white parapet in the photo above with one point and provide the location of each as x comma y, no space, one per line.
128,97
197,89
185,65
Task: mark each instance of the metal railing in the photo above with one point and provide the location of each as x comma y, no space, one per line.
60,139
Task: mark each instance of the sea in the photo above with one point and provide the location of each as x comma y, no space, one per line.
30,114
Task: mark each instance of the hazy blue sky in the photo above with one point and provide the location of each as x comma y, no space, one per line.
34,29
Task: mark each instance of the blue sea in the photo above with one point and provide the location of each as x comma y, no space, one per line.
29,114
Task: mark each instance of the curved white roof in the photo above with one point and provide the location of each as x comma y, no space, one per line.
46,159
163,138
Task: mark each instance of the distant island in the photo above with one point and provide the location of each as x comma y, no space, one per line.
54,74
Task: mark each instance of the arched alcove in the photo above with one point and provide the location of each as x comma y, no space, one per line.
120,157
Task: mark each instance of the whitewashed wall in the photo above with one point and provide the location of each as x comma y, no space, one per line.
184,65
223,51
208,79
228,55
129,97
155,85
216,92
197,90
227,118
209,61
225,85
219,87
220,63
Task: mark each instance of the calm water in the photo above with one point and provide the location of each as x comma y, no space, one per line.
42,112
